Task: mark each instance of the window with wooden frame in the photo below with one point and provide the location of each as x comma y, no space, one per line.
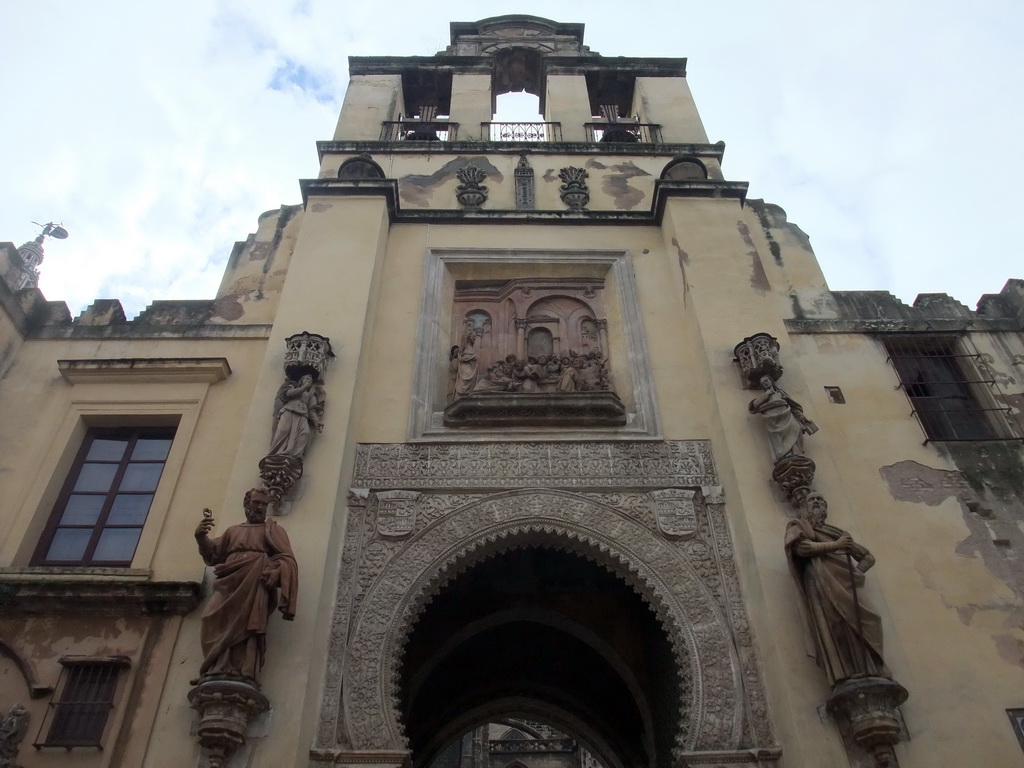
80,709
103,505
950,398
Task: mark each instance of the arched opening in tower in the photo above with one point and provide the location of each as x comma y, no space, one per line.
547,637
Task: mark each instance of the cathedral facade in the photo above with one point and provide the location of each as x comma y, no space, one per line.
515,445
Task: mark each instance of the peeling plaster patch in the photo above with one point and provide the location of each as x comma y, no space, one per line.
549,175
758,278
911,481
646,250
596,164
417,189
1011,648
320,207
986,485
616,185
259,251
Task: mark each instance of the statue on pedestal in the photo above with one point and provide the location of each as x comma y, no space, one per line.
255,572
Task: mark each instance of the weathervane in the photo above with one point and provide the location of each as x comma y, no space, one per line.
32,254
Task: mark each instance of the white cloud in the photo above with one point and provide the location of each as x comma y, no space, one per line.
159,133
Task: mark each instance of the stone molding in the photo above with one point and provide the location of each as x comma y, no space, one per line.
492,465
48,595
691,584
158,370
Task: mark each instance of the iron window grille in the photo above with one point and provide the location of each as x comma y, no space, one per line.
103,505
78,717
951,392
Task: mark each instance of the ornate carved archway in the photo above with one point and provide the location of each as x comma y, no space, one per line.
403,549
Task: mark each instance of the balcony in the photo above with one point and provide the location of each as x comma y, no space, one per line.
608,132
520,131
419,130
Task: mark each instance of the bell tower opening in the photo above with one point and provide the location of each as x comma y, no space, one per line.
544,635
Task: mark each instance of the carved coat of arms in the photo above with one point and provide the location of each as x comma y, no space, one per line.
396,513
676,512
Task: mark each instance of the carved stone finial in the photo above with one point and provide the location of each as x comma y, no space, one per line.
471,193
225,707
574,191
13,728
524,185
758,356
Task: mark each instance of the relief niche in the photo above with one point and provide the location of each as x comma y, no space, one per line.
531,352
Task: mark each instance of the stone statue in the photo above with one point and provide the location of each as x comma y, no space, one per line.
255,571
847,636
783,418
298,410
12,730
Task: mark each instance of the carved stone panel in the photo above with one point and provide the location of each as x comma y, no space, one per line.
676,512
396,513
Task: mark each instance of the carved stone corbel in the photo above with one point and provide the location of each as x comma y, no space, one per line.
225,707
864,708
13,728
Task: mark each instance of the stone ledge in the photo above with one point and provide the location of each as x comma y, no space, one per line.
555,409
177,370
51,594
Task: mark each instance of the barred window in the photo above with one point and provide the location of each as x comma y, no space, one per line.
949,397
79,715
103,506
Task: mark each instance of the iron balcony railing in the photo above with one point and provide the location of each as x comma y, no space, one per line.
521,131
418,130
623,133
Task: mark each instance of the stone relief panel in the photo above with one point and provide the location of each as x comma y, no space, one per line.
687,575
560,354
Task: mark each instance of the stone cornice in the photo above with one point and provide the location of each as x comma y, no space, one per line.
715,151
932,325
51,593
388,188
130,330
178,370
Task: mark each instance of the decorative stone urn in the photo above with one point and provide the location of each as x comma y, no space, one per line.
758,356
225,707
471,193
865,710
574,192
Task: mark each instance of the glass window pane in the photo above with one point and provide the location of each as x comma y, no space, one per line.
141,477
151,449
68,545
95,477
106,449
117,545
130,509
82,510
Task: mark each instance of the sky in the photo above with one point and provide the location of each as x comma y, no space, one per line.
157,133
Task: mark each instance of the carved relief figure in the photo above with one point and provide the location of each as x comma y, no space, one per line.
784,419
12,730
298,410
254,572
464,365
847,636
